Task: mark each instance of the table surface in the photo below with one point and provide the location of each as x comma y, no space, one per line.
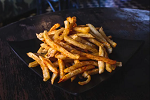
18,82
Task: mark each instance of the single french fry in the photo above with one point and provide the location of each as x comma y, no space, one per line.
54,76
108,67
81,29
93,71
40,50
94,41
93,57
54,27
78,44
66,30
40,36
46,74
33,64
49,64
76,61
80,64
76,72
73,78
58,47
51,33
101,64
85,35
61,67
85,75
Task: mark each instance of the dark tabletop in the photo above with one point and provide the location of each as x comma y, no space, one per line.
18,82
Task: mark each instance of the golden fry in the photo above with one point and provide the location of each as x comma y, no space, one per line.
101,64
54,76
33,64
85,75
93,57
61,68
80,64
81,29
76,72
54,27
93,71
85,35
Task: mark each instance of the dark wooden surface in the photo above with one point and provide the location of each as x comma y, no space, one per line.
18,82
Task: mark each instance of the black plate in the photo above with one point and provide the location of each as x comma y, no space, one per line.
123,52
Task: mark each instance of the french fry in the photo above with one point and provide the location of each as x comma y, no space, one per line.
80,64
85,35
81,29
59,48
96,42
54,76
45,70
33,64
108,67
40,50
93,71
85,75
61,67
40,36
60,56
72,22
101,64
54,27
66,31
76,72
93,57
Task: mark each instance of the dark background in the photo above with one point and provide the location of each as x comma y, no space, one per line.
14,10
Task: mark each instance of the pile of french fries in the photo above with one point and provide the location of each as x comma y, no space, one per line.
73,51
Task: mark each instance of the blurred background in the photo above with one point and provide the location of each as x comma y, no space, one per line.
14,10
